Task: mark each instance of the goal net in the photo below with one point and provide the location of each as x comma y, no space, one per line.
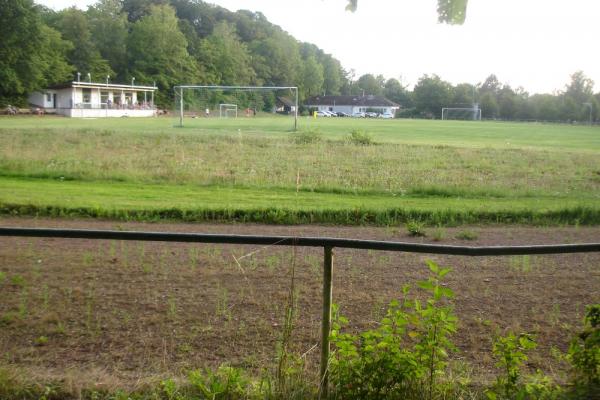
228,110
465,114
194,105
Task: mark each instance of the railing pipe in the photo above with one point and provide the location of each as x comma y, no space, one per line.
475,251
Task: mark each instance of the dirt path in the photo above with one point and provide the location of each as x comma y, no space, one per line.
120,311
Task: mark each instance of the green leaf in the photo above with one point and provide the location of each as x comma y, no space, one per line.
433,266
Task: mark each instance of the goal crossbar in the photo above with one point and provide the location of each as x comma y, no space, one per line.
179,91
476,111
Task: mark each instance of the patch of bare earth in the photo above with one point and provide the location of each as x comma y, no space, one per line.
123,312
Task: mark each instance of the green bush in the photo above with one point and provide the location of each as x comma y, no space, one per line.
307,137
360,137
584,353
405,355
416,228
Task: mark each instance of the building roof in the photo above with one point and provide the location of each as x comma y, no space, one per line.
359,101
82,84
286,101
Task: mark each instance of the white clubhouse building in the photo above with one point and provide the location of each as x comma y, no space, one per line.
96,100
352,104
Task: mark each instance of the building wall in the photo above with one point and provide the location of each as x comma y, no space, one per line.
104,113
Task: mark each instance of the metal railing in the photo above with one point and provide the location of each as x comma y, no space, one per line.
328,244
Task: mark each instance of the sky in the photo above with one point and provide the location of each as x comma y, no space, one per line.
535,44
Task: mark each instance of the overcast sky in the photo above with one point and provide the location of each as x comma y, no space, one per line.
536,44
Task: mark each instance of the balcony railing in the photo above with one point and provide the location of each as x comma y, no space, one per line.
114,106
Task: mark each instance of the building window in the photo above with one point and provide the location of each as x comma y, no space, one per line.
128,98
48,97
103,97
87,95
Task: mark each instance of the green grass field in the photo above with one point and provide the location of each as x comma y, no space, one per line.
252,170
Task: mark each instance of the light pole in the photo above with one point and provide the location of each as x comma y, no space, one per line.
591,107
132,81
107,78
78,76
89,77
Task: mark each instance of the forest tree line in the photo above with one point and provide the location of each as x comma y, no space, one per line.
173,42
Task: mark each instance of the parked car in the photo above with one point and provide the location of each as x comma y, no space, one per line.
331,113
386,115
371,115
358,115
342,114
323,114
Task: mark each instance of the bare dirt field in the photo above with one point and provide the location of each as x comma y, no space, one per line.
121,312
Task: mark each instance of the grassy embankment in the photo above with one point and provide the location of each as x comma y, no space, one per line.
250,170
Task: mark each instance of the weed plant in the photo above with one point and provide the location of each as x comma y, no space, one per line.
360,137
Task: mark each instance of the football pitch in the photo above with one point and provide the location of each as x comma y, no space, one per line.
259,170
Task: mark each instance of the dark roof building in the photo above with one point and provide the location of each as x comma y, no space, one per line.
355,101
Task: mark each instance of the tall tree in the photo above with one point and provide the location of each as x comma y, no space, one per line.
311,77
431,94
224,58
84,56
109,28
332,75
31,54
397,93
371,85
276,59
157,51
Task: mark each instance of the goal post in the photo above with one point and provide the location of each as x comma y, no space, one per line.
198,101
226,108
462,113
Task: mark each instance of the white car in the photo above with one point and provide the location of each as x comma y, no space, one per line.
323,114
358,115
386,115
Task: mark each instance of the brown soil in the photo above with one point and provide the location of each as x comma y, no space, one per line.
124,311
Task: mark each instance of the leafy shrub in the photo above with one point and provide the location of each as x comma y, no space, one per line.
416,228
307,137
511,352
224,383
584,352
403,357
360,137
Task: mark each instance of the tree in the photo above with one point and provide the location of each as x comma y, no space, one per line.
449,11
109,28
225,58
53,58
136,9
431,94
463,95
489,105
157,51
276,59
311,77
31,54
394,91
84,56
371,85
332,75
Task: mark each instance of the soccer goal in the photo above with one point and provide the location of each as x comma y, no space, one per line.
228,110
465,114
242,103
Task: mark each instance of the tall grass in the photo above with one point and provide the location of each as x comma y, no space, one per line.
323,166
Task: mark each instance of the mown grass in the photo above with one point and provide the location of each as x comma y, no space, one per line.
131,201
467,172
